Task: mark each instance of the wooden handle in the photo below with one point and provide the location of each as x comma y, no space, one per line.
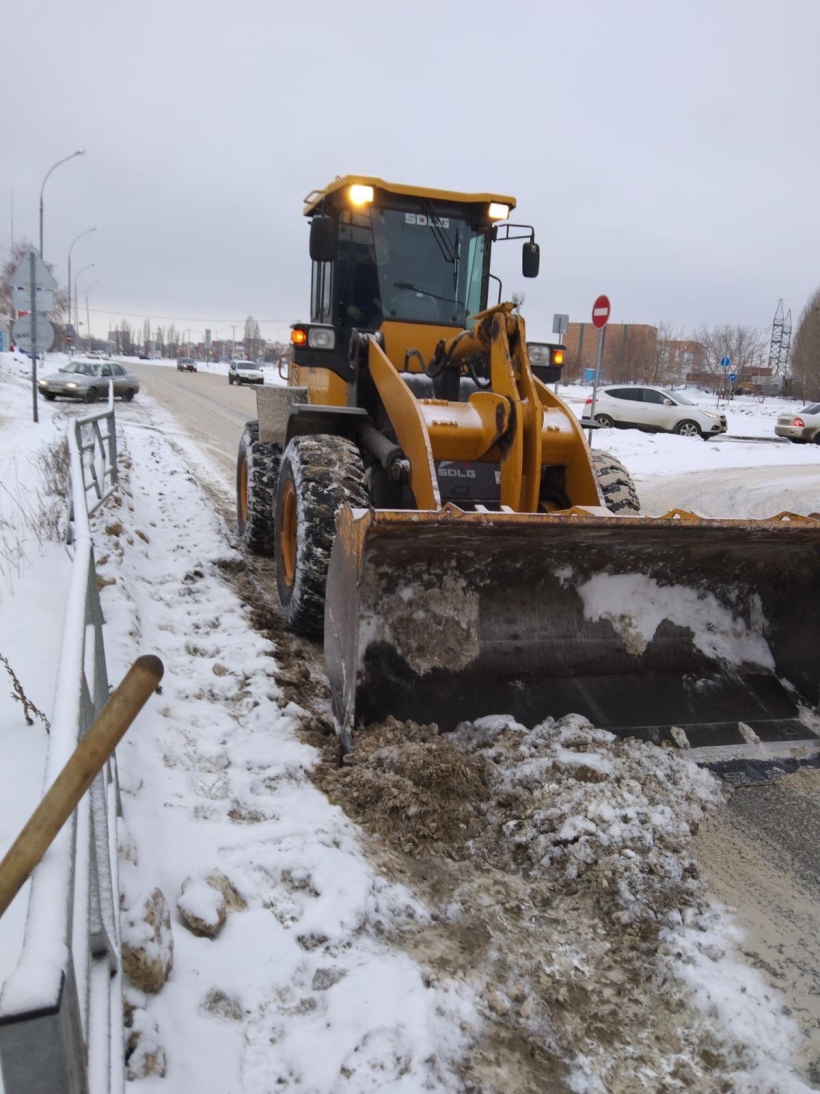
80,770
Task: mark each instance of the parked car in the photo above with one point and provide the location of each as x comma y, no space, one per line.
655,410
186,364
245,372
802,427
88,380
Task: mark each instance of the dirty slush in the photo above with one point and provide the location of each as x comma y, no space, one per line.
557,863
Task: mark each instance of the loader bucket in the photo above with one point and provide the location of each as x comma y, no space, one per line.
702,634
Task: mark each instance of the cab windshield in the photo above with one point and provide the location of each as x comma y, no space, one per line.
419,264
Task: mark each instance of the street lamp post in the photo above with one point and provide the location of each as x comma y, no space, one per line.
70,249
88,289
76,297
81,152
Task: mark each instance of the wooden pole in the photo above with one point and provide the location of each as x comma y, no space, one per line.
80,770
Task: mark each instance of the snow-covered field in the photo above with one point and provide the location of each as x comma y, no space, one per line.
515,908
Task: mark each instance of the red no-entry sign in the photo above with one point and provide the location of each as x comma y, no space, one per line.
600,311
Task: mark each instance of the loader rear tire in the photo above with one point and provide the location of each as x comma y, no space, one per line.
620,495
257,472
317,476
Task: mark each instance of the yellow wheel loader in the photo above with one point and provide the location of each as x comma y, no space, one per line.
435,512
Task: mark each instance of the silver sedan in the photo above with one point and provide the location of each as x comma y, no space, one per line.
89,380
800,428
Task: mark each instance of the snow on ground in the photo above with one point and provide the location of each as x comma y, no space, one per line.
34,571
524,913
298,992
648,455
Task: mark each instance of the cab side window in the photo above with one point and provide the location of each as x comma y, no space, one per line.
628,393
106,370
320,286
652,396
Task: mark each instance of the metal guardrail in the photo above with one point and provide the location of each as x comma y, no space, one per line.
61,1024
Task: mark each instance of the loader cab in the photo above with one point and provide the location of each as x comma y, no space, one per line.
410,263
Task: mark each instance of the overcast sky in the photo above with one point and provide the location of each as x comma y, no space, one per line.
667,151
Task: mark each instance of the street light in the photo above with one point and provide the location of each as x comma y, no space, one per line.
81,152
70,249
88,289
76,298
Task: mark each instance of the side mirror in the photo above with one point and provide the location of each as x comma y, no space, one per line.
323,239
530,260
668,402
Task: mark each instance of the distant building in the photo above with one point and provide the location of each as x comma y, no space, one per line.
684,358
630,350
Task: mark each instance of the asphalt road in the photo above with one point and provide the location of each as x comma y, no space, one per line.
760,854
208,408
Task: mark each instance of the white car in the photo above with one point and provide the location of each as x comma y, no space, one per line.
802,427
655,410
245,372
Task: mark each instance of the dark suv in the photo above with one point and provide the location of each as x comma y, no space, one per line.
186,364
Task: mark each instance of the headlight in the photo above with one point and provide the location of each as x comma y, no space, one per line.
497,211
42,383
708,414
71,385
360,195
321,338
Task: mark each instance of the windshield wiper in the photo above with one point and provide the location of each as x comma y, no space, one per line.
439,235
424,292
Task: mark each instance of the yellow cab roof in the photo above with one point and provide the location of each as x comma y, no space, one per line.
315,197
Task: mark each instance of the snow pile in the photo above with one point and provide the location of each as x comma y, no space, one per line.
576,803
558,863
636,605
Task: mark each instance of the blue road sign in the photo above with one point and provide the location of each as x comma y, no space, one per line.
725,362
732,377
589,375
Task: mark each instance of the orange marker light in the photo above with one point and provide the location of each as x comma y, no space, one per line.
298,337
558,357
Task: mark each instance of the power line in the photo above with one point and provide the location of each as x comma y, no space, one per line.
180,318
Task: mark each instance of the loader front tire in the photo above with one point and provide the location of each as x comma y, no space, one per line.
620,495
317,476
257,471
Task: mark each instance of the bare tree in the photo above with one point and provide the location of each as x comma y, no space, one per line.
660,365
253,338
806,351
172,341
742,345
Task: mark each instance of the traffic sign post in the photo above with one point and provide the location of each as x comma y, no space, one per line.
600,317
725,364
33,286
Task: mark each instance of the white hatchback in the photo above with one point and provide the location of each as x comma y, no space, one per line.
655,410
245,372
